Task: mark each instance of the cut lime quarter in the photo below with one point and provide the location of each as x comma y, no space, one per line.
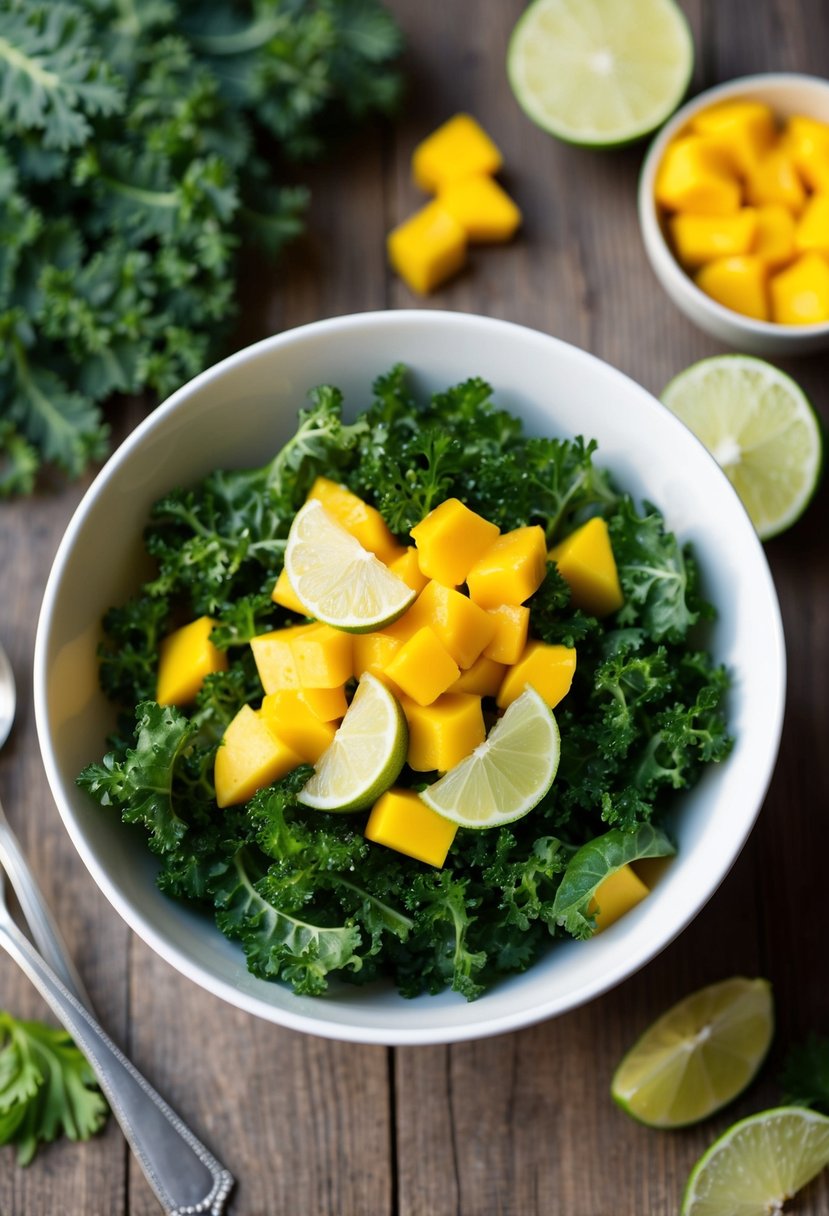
698,1056
759,1164
759,427
600,72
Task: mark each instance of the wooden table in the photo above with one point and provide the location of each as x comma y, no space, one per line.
522,1124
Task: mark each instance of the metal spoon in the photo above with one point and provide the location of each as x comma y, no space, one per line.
186,1178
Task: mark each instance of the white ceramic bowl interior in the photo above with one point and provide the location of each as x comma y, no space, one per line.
787,94
237,414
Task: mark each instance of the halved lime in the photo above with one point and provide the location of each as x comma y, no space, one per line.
759,1164
506,775
759,427
600,72
366,754
336,579
698,1056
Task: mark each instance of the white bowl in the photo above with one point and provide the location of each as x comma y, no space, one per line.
787,94
239,412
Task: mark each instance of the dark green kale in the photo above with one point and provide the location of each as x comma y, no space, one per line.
805,1075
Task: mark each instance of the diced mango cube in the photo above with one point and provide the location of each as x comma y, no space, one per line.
616,895
450,540
327,704
512,624
284,595
462,626
746,128
427,248
586,563
774,238
185,657
274,658
511,569
423,668
484,210
373,652
457,149
294,722
699,238
812,231
549,669
774,179
402,821
322,657
357,517
807,142
483,678
738,283
445,732
800,293
697,174
407,567
250,757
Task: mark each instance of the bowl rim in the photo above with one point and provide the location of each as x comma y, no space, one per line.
531,1013
654,237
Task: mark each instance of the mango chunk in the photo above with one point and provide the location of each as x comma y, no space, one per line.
800,293
738,283
457,149
402,821
407,566
586,563
250,757
423,668
548,668
445,732
812,233
746,128
512,625
322,657
373,652
327,704
619,892
185,657
284,595
462,626
699,238
290,718
511,569
483,678
484,210
697,174
357,517
274,658
807,142
450,540
427,248
774,237
774,179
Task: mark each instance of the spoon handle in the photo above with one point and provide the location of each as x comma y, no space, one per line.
186,1178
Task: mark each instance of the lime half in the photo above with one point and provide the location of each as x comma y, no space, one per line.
336,579
507,774
759,1164
759,427
366,754
698,1056
600,72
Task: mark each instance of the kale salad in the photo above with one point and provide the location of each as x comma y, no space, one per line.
303,891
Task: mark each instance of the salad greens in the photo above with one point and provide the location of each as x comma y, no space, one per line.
304,892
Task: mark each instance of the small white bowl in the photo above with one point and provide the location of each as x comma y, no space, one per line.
787,94
236,415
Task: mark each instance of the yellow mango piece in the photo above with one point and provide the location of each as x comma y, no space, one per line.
812,232
373,652
746,128
619,892
737,283
548,668
423,668
185,657
697,174
284,595
512,624
462,627
807,142
402,821
774,237
357,517
484,210
250,757
327,704
450,540
274,658
511,570
774,179
428,248
291,719
457,149
322,657
407,567
800,293
483,678
586,563
443,733
699,238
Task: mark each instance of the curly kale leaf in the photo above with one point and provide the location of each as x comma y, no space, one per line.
805,1075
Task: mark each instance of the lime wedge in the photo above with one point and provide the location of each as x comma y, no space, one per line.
698,1056
759,1164
364,757
507,774
336,579
759,427
600,72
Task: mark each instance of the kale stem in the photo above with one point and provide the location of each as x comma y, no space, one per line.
250,38
151,198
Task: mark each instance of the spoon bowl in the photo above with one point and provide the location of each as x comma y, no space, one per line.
8,696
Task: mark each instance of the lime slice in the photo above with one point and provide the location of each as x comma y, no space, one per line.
761,430
336,579
507,774
697,1056
597,72
759,1164
364,757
